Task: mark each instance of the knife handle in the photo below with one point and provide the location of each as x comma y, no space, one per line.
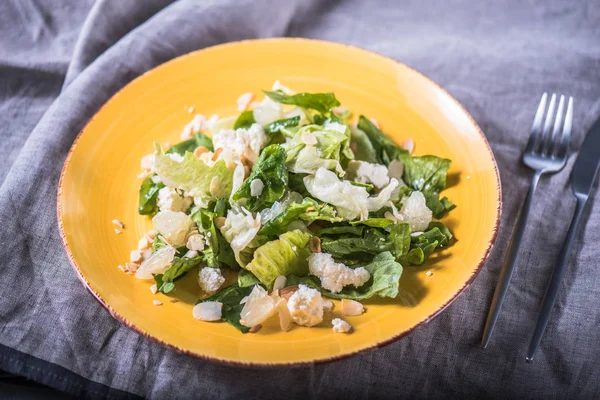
555,280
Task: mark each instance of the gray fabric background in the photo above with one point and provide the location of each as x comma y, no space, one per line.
496,58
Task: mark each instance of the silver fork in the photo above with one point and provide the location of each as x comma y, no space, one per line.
545,153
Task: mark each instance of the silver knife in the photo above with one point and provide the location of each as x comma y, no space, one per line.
582,180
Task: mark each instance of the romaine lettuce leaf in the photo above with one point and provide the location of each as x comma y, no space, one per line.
285,256
218,251
279,224
165,282
296,184
318,211
230,297
331,149
147,203
361,146
270,169
385,276
426,174
369,244
244,120
322,102
247,278
385,149
192,175
199,139
275,127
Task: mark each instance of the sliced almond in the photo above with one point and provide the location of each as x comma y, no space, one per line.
255,328
131,267
118,224
409,145
279,283
285,318
216,154
352,308
315,244
287,292
220,222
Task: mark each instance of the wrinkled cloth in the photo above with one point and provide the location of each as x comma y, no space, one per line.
63,60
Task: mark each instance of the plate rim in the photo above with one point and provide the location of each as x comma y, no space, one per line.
368,348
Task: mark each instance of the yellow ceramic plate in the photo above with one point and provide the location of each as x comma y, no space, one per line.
99,183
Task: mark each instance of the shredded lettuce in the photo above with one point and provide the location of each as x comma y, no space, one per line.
270,169
190,145
322,102
193,176
148,196
245,120
165,283
284,256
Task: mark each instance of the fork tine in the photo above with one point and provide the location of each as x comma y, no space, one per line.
548,123
536,128
566,134
554,139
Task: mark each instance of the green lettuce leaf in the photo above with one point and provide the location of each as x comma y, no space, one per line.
318,211
285,256
362,147
280,223
148,197
190,145
422,246
275,127
247,278
192,175
426,173
322,102
296,184
374,222
369,244
270,169
165,283
230,297
385,149
341,229
217,252
331,150
385,276
244,120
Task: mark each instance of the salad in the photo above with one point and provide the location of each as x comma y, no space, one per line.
297,202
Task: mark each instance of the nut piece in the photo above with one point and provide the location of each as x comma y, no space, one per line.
287,292
255,328
157,302
408,145
200,150
352,308
220,222
315,244
118,224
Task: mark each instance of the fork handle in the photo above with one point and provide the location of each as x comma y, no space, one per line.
555,280
510,260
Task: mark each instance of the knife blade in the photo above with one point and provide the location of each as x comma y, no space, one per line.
587,163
